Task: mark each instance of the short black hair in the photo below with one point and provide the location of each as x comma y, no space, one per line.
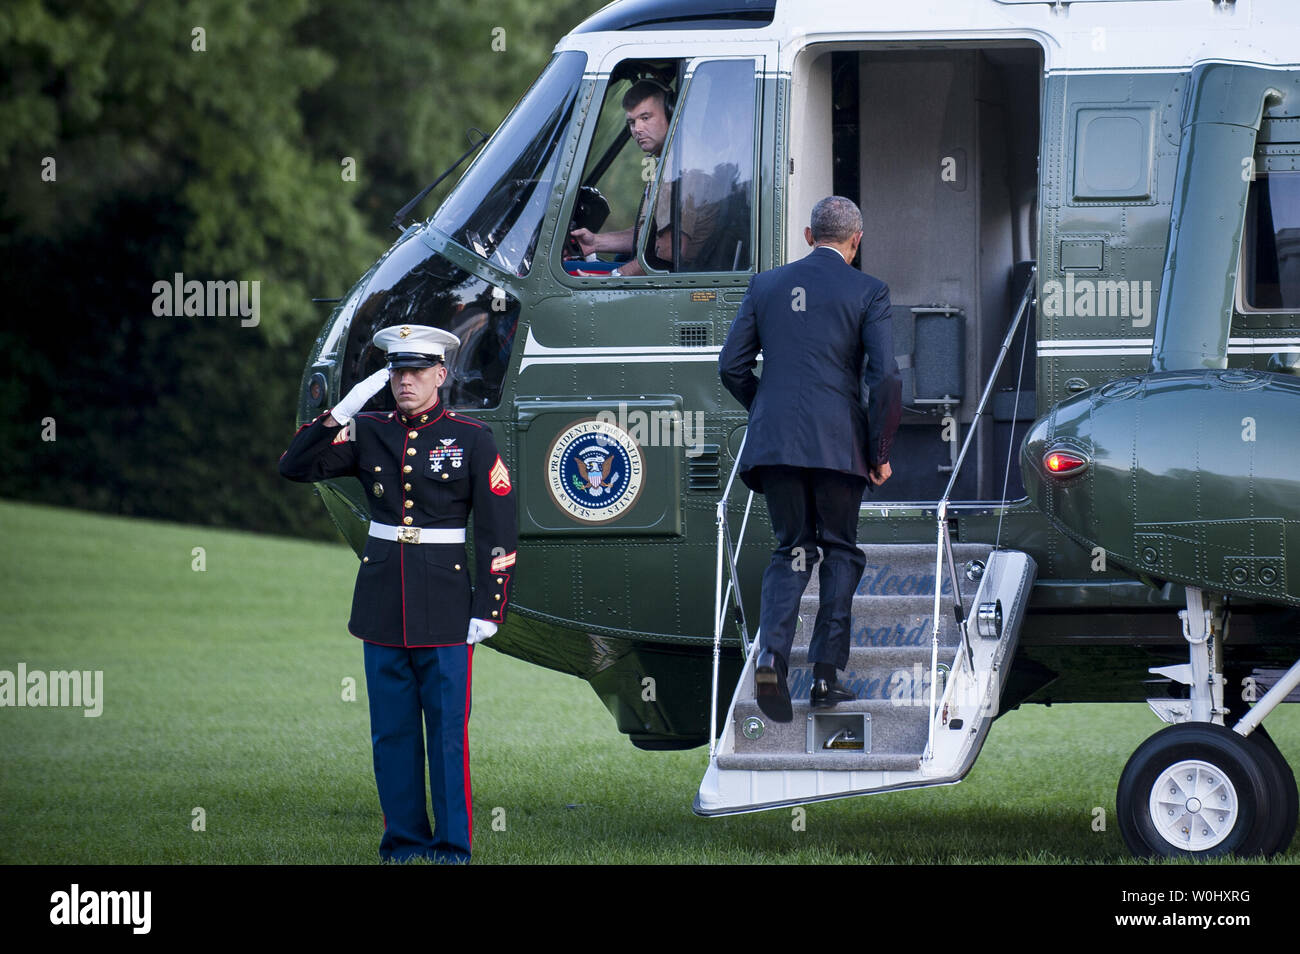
642,90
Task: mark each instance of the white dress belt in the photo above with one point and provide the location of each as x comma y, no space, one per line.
417,534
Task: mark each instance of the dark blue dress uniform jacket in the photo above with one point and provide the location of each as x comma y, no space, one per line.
426,470
807,409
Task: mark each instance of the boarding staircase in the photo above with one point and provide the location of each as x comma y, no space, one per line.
883,740
933,636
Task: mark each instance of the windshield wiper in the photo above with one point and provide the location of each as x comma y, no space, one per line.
401,213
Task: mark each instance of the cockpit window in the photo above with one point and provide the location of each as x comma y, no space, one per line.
668,184
701,220
496,209
413,284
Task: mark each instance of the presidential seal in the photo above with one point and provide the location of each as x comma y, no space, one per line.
594,471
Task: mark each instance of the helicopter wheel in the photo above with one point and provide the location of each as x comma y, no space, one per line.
1200,790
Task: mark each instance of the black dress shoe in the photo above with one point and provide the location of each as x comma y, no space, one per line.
770,690
826,694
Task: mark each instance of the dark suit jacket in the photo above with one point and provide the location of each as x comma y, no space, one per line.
807,408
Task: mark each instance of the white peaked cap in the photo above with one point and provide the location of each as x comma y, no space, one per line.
415,346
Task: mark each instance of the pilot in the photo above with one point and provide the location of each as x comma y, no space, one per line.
424,470
647,107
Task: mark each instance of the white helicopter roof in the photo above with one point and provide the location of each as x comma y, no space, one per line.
1078,36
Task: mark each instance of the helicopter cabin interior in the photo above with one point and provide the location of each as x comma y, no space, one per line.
940,146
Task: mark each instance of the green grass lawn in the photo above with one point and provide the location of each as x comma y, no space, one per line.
224,690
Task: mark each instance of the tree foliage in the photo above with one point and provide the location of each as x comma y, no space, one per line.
227,140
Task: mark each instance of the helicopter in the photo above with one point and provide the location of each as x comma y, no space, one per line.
1088,214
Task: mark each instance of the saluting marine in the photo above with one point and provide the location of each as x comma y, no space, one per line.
424,468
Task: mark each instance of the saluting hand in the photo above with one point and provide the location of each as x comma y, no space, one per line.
361,392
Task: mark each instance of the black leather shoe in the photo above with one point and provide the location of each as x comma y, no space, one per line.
826,694
770,690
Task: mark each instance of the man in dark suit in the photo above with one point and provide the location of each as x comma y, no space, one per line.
825,333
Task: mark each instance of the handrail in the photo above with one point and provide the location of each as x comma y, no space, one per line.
943,545
721,600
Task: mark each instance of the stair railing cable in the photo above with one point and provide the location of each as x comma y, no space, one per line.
1011,444
722,598
943,546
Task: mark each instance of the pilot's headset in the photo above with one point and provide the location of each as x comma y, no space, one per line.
670,99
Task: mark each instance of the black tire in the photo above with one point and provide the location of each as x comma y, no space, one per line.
1282,778
1283,820
1226,758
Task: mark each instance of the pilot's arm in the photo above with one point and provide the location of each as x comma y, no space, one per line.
620,242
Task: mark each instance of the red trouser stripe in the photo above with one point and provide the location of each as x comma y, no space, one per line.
469,803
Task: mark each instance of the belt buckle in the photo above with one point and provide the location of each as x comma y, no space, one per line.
408,534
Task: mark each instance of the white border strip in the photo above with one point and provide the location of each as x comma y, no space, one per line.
1129,347
536,353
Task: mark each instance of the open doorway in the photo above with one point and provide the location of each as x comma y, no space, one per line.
938,144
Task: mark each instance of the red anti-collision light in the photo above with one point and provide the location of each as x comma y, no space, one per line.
1063,463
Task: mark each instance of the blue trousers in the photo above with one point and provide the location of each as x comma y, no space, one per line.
414,694
811,508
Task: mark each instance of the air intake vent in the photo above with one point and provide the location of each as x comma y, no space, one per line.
694,335
704,470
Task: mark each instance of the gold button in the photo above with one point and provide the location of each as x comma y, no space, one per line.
445,476
365,559
406,486
408,521
378,468
451,413
412,434
495,613
410,452
500,579
458,566
497,597
406,468
408,504
423,418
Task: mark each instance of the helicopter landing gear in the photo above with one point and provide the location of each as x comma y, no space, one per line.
1199,788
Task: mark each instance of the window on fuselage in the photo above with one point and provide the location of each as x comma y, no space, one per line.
1271,272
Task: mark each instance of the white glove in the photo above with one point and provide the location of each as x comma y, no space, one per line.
361,392
479,630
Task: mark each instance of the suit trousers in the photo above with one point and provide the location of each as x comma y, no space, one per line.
403,685
811,508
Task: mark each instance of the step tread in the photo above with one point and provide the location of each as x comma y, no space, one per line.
802,707
822,762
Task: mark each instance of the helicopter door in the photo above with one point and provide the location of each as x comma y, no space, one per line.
658,246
